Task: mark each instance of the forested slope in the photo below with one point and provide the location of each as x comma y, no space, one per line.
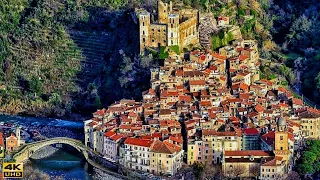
61,57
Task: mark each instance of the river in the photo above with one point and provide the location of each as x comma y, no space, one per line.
68,164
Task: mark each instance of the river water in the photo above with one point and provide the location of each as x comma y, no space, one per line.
69,165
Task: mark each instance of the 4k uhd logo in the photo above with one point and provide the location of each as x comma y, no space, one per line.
12,170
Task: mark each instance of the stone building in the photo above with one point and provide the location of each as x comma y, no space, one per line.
174,27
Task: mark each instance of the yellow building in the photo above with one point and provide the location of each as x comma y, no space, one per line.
174,27
165,158
272,168
309,124
208,149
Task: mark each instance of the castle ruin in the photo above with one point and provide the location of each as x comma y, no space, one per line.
174,27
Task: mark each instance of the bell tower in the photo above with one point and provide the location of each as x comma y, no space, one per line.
281,143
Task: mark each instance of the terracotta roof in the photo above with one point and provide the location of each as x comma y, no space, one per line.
268,138
1,140
109,134
219,56
116,137
249,153
251,131
124,126
243,57
197,82
175,139
138,142
244,87
259,108
161,147
185,98
297,101
165,111
205,103
100,112
244,96
272,162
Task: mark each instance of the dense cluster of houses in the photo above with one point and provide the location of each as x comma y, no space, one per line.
208,107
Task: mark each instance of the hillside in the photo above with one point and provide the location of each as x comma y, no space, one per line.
61,58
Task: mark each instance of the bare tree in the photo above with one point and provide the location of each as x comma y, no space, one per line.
293,175
211,172
235,171
255,171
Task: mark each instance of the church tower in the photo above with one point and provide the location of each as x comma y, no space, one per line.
18,135
281,143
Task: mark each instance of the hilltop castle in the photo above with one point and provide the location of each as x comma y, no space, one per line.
174,27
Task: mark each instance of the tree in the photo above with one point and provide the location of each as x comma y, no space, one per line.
309,157
293,175
197,169
235,171
255,170
211,171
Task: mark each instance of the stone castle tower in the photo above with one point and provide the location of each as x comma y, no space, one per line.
173,27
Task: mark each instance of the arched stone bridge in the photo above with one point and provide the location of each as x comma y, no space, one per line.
26,151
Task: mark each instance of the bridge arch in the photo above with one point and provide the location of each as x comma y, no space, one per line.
26,151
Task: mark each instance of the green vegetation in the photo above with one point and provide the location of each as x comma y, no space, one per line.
197,169
49,54
221,39
309,162
163,53
175,49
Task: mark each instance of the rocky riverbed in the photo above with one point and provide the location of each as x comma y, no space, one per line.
44,152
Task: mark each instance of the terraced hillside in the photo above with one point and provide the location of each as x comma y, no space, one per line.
94,47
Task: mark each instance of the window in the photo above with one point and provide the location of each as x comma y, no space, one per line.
281,148
281,137
171,34
142,23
